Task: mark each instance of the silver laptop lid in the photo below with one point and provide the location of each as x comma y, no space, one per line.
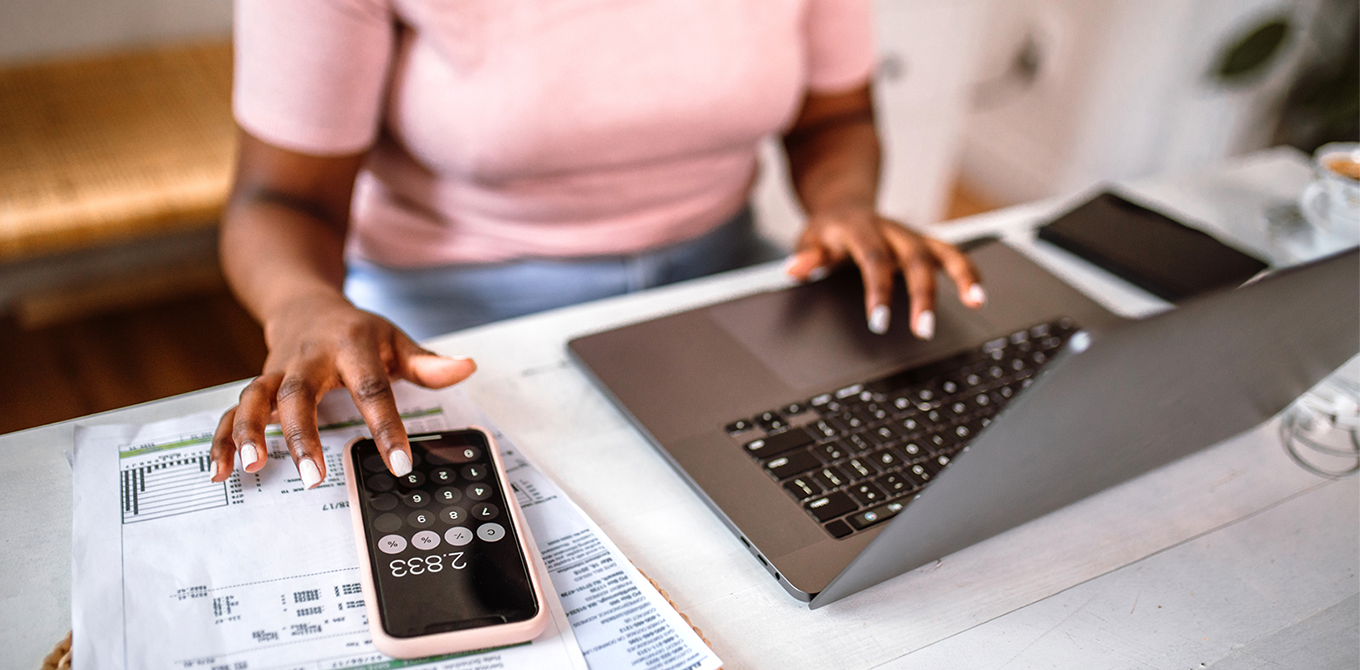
1140,395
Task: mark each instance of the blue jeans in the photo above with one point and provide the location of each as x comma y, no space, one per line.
426,302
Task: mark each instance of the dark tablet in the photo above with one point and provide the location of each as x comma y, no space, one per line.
1149,249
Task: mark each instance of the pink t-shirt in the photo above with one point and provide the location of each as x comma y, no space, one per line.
502,129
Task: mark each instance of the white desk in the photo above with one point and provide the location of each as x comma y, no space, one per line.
1234,557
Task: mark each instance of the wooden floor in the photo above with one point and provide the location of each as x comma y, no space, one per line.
132,356
154,351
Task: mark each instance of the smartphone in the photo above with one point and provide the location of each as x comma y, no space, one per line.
1149,249
445,556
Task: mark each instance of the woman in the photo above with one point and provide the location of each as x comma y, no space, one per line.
472,160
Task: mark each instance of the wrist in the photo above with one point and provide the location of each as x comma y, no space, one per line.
300,306
861,206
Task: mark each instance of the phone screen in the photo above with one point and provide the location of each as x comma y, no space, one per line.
445,554
1149,249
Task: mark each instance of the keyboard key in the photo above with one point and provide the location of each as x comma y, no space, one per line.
802,488
824,429
831,506
861,443
778,443
895,484
832,451
912,450
792,463
885,459
866,494
849,421
886,434
793,409
838,529
876,515
860,468
917,475
853,389
829,407
739,426
922,471
876,412
831,477
770,421
938,442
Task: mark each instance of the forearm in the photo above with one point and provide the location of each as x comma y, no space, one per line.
277,257
834,154
283,232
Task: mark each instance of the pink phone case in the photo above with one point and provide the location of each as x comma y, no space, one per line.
452,641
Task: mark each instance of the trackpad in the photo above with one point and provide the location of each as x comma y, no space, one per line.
815,336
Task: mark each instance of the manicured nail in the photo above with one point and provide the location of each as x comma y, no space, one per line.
925,325
212,469
879,318
311,476
976,296
818,273
248,455
401,463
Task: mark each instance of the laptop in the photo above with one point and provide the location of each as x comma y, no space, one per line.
841,459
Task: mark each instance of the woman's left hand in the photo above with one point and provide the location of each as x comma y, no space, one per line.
881,247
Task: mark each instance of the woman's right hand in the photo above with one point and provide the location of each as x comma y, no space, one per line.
323,343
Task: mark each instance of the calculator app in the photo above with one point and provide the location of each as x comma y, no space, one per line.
444,551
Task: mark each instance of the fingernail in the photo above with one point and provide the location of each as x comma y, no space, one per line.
248,455
212,469
976,295
925,325
818,273
879,318
401,463
311,476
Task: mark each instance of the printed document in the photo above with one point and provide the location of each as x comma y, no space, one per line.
258,573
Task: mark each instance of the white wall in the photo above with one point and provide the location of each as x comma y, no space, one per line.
36,29
1123,90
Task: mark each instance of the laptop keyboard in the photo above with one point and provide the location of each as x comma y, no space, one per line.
854,457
